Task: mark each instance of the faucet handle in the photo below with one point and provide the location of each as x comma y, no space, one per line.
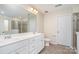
7,36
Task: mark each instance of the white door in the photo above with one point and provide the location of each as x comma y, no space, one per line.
64,29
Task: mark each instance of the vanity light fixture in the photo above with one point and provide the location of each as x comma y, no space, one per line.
32,10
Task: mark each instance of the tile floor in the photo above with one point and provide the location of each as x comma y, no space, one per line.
57,49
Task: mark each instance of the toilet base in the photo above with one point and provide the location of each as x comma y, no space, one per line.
47,43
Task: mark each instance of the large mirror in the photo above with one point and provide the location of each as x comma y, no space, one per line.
15,19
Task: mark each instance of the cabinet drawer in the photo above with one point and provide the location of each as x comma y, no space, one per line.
11,47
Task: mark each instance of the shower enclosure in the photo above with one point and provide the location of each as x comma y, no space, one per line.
75,29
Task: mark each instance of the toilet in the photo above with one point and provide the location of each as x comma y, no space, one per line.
47,38
47,41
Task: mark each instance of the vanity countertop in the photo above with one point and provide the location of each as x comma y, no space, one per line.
17,38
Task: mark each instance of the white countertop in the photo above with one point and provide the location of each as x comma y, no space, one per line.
17,38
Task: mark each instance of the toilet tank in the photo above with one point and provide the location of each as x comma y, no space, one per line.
51,37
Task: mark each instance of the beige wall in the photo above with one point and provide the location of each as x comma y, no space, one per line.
50,24
50,20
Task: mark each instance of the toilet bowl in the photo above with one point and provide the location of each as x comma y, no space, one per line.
47,41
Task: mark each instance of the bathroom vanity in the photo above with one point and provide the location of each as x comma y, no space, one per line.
24,43
18,32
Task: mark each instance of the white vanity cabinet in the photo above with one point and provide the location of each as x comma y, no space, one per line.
30,45
36,44
23,49
13,47
39,43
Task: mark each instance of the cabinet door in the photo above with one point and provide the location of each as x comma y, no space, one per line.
22,50
12,47
31,45
36,44
39,43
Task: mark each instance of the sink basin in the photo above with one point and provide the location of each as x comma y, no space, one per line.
17,36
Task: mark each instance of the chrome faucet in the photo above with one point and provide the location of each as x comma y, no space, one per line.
6,36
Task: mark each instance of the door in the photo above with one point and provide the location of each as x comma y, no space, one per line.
64,29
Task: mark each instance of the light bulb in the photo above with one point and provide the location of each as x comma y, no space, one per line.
31,9
36,11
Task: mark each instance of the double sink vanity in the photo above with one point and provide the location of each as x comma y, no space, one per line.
18,29
23,43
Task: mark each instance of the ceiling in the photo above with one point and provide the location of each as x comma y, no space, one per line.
17,10
51,7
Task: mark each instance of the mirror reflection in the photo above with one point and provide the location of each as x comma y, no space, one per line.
15,19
